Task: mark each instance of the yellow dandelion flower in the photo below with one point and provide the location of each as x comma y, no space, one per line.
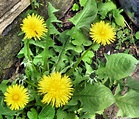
57,90
16,97
34,27
102,33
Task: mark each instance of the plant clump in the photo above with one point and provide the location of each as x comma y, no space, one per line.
63,76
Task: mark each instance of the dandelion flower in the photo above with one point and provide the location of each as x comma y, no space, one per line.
57,90
16,97
102,33
34,27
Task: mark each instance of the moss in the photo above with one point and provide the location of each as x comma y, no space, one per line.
9,47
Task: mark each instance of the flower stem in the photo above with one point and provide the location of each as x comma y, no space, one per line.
45,62
56,66
27,53
30,68
45,58
31,84
79,60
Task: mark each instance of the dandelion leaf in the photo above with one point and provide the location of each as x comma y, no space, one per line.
52,19
4,110
119,19
64,115
132,83
86,16
63,56
32,114
108,6
88,57
128,104
3,85
78,38
96,98
23,52
48,112
40,55
118,66
82,2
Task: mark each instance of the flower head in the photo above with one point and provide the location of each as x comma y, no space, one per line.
16,97
34,26
102,33
57,90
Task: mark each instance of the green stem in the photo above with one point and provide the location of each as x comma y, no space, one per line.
31,84
62,50
79,60
45,62
60,55
27,54
45,58
30,68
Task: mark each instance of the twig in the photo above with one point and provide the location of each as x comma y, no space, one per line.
132,37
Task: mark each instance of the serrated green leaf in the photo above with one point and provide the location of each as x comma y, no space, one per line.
79,49
47,112
88,57
3,85
32,114
128,104
46,50
64,37
86,16
79,38
88,68
52,10
63,51
108,6
95,98
79,78
23,52
52,19
96,46
37,43
39,58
